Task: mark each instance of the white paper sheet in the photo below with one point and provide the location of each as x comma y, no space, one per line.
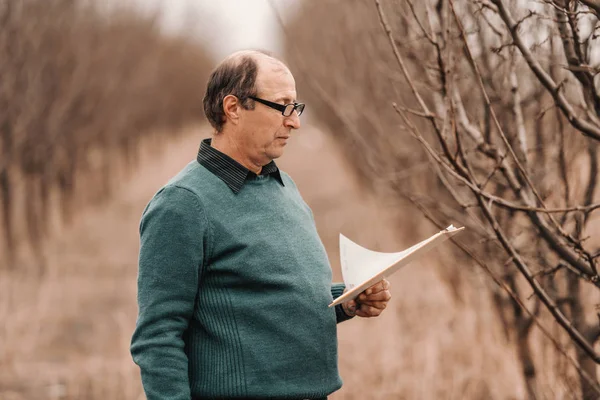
362,268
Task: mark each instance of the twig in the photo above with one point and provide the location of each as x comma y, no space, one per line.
585,127
594,5
457,197
491,174
428,35
503,202
417,113
550,271
400,61
518,114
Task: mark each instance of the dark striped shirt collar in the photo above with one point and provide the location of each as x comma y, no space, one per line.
230,171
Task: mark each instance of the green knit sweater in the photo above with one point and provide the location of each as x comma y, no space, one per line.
233,293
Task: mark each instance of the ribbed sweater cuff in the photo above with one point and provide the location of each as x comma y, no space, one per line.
336,291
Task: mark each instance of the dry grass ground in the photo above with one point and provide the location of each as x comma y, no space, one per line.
66,335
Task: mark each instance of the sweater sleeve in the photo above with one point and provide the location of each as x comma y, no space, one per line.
172,237
336,291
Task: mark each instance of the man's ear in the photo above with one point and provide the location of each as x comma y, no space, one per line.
231,108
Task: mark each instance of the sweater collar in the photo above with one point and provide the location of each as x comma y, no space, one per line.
230,171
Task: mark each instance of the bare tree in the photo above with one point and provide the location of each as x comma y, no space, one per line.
502,99
80,87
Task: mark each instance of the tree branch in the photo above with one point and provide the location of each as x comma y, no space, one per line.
526,195
594,5
585,127
498,281
508,204
519,120
518,261
400,61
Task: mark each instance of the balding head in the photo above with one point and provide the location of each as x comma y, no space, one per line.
258,56
237,75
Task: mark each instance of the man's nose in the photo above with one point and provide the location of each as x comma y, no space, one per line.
293,121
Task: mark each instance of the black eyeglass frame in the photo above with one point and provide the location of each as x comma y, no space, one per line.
299,107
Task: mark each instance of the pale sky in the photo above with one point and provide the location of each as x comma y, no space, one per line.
224,25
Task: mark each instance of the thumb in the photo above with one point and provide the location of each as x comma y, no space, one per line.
350,307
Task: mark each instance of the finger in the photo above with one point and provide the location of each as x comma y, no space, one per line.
377,304
379,296
378,287
350,307
366,311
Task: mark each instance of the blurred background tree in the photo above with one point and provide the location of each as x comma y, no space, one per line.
484,114
82,85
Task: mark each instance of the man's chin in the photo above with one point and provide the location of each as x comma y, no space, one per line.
275,153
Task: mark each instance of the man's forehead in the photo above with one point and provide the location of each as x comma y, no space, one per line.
275,78
271,67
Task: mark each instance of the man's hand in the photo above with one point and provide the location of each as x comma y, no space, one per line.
371,302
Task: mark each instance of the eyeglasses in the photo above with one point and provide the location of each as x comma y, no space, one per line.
286,109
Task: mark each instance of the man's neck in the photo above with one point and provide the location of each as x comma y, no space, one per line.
233,150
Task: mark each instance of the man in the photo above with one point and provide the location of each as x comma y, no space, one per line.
234,283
